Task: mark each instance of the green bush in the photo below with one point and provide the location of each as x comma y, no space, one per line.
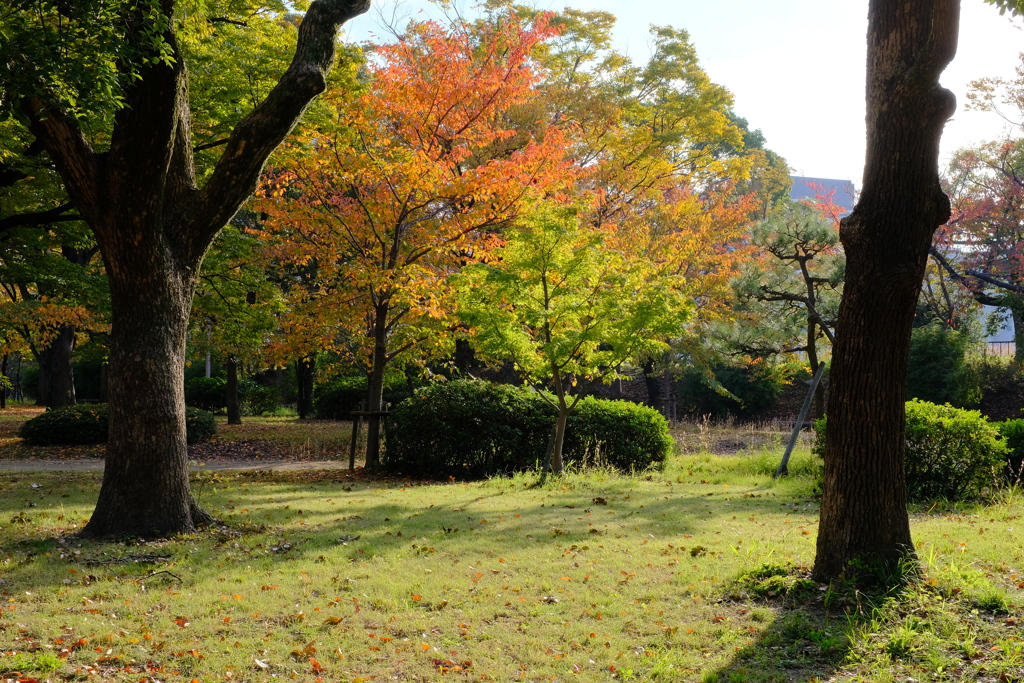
470,429
753,388
200,426
84,423
937,370
951,453
620,434
208,393
337,399
260,399
1013,432
87,424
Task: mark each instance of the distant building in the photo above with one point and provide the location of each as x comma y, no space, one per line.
841,191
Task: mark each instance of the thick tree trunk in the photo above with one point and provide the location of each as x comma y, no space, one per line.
886,239
464,356
153,224
653,385
145,488
305,373
56,372
233,404
375,398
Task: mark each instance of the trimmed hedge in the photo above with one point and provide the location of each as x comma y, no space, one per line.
951,453
88,424
207,393
471,429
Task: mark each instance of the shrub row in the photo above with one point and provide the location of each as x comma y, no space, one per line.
88,424
951,454
471,429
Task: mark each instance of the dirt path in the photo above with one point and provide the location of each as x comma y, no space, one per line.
213,466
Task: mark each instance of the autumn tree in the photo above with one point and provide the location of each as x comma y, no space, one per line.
886,241
981,247
568,303
410,183
104,89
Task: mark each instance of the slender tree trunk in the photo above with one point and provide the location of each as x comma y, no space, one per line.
305,371
652,384
3,390
464,356
557,461
375,396
104,382
56,372
886,240
233,404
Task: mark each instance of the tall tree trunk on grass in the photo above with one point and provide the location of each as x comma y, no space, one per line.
233,403
305,373
886,239
56,373
375,402
153,224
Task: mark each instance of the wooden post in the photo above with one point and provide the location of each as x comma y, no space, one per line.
357,418
783,469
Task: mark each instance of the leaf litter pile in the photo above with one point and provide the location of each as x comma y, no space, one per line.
698,573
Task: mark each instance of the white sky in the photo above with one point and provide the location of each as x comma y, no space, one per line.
796,67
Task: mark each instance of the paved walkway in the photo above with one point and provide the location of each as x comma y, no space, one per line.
216,465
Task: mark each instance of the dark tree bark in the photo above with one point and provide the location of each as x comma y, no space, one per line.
653,384
375,398
3,390
153,224
233,404
305,372
56,373
886,239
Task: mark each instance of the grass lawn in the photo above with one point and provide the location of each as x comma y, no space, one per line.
696,573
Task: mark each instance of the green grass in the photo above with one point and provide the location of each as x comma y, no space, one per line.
697,573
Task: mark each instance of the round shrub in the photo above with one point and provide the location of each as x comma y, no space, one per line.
471,429
85,423
88,424
951,454
623,435
200,426
260,399
208,393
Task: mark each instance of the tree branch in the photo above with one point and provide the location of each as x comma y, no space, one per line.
36,218
262,130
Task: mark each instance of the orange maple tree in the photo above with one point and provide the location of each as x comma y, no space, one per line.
414,178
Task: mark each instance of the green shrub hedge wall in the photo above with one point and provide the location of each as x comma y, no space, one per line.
470,429
951,453
87,424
